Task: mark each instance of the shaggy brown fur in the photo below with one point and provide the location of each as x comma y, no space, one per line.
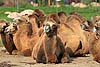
49,48
25,37
40,17
95,46
55,17
77,14
83,21
7,39
75,21
62,16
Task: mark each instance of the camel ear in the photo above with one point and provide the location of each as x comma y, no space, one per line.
61,13
39,12
55,17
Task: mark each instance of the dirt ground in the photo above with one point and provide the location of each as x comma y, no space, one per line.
7,60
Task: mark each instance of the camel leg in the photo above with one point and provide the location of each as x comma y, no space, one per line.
66,58
97,57
52,58
16,52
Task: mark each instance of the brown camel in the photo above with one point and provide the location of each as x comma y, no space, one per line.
95,46
49,48
73,36
26,35
94,39
6,38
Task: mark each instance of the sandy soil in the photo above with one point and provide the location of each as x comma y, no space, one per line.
7,60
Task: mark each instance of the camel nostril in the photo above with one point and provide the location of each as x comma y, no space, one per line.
47,28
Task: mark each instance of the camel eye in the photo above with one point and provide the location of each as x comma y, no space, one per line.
96,21
54,26
19,20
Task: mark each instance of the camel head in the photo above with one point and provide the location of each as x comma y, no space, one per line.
12,28
50,27
40,17
21,19
3,25
96,22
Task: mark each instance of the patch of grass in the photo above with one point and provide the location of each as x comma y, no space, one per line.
87,12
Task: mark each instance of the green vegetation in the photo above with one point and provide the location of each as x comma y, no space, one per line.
87,12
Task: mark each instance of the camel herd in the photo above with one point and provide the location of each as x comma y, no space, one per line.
54,38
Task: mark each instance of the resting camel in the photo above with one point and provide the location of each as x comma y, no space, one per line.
49,48
21,35
94,39
72,35
6,38
26,34
95,47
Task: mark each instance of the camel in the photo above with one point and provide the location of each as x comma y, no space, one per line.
6,38
94,47
94,39
21,35
72,35
49,48
26,34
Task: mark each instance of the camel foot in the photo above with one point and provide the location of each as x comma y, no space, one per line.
16,52
65,60
52,59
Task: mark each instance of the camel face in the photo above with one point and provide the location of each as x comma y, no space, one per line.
21,19
12,28
96,22
50,27
3,25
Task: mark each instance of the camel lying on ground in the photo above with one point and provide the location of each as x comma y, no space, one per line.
49,48
95,46
72,35
26,35
6,38
94,39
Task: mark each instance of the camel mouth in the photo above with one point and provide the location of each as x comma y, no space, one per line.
11,28
2,28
